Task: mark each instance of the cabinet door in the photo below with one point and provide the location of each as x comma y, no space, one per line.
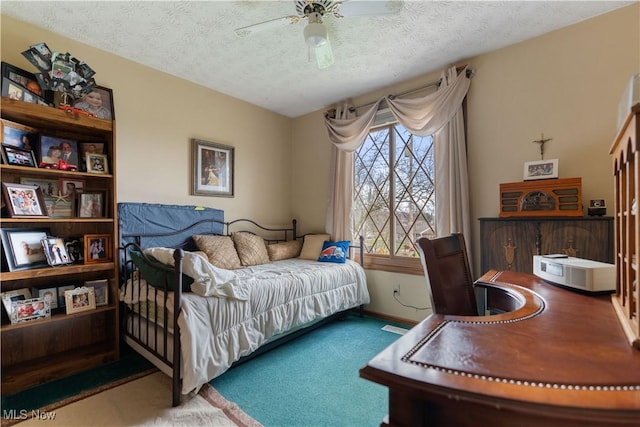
508,245
588,239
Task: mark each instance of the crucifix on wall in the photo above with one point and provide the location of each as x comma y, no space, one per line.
542,141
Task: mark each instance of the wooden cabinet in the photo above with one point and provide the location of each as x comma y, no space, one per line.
626,169
510,243
45,349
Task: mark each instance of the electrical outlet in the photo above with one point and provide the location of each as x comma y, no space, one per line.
396,289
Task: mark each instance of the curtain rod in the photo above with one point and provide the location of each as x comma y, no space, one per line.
427,86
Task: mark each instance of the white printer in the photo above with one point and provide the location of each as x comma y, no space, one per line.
577,273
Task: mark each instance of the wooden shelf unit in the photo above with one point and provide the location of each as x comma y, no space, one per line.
626,169
43,350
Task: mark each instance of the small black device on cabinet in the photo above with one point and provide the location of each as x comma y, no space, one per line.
597,208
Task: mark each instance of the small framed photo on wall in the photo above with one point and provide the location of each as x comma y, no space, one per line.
212,169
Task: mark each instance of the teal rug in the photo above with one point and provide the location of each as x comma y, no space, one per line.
313,380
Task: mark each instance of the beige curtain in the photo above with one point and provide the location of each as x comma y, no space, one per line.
422,116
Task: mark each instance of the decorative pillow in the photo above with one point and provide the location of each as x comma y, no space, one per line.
156,277
251,248
284,250
219,250
313,245
335,251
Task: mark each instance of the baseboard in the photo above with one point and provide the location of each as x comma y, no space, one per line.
409,322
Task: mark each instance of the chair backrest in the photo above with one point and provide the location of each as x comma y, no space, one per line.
446,266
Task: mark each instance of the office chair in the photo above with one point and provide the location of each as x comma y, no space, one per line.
446,266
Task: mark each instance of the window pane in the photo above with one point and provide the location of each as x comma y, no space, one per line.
394,191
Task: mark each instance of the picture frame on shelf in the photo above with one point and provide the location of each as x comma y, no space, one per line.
91,203
97,248
68,186
59,206
79,299
98,102
75,249
19,135
23,248
100,290
55,251
49,187
18,157
49,294
23,78
30,310
21,85
24,201
89,148
212,169
53,149
541,169
97,163
61,297
9,297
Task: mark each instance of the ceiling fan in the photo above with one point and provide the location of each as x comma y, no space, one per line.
315,32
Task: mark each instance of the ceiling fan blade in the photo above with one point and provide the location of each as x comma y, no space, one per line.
369,7
324,55
261,26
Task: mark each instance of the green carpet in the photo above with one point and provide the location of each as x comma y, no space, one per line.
130,363
313,380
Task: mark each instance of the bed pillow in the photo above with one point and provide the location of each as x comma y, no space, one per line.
284,250
251,248
334,251
156,277
219,250
312,246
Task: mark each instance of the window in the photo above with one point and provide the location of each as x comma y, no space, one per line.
394,201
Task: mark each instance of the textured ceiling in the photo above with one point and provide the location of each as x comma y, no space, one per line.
271,68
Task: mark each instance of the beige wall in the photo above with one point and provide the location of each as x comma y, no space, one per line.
157,115
566,84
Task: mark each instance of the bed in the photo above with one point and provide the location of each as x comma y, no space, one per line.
170,287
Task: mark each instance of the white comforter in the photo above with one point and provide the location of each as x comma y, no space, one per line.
283,295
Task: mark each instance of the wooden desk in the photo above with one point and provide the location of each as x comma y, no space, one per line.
558,358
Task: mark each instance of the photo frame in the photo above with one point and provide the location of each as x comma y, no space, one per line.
18,157
21,85
24,201
59,206
55,251
541,169
75,249
29,310
97,248
19,135
100,290
53,150
9,297
96,163
67,186
61,297
91,203
79,299
49,187
49,294
212,169
23,248
98,102
89,148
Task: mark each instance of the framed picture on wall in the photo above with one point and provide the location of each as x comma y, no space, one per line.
212,169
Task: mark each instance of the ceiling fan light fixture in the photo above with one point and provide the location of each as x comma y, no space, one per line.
315,33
